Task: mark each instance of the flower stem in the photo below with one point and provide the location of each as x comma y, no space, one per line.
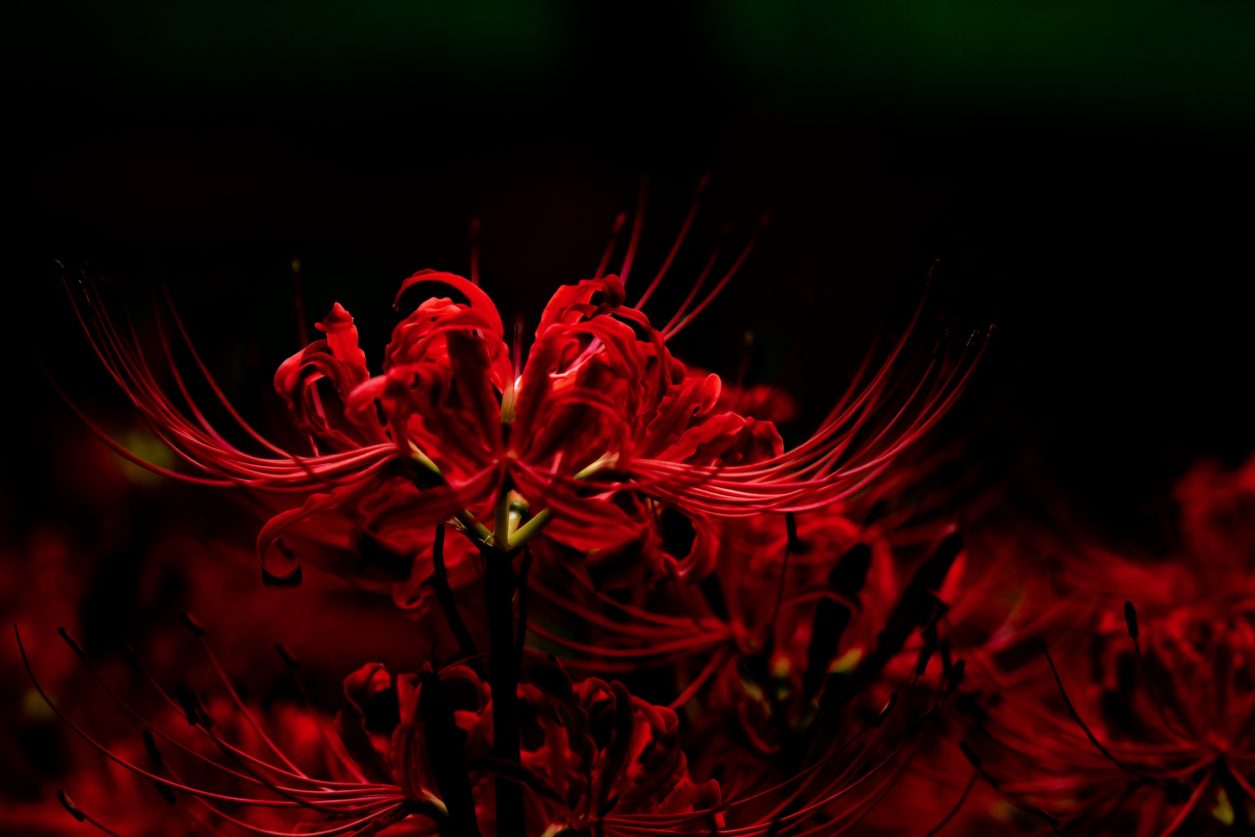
538,521
444,595
499,590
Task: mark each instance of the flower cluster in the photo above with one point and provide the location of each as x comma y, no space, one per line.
1141,714
614,602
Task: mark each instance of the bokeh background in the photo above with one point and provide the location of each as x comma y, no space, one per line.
1082,170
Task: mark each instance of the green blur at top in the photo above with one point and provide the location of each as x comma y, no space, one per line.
1192,57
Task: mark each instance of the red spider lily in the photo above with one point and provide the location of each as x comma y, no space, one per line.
1155,729
590,435
1143,717
778,656
236,775
992,612
111,798
729,615
598,436
414,754
593,757
787,605
1004,596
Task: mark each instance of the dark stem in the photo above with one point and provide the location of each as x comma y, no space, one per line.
520,632
446,752
444,595
499,588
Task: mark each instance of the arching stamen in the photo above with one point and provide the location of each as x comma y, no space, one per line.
717,661
958,806
309,786
677,244
148,727
366,804
249,717
1076,716
1188,808
634,240
680,320
213,382
223,464
698,283
615,229
473,236
978,765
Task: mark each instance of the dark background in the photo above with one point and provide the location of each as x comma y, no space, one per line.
1083,171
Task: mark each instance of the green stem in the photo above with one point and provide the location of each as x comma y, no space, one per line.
477,531
525,532
538,521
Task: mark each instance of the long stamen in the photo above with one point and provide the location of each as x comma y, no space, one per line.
195,441
676,245
681,320
958,806
634,239
364,803
615,229
1076,716
978,765
473,236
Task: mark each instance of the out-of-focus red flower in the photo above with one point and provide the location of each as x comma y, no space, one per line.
1217,509
784,659
939,792
412,753
1141,718
802,614
105,793
755,605
592,755
173,759
1146,725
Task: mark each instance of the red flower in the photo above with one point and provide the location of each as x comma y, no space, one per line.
598,430
1149,723
412,753
1143,713
1218,516
592,755
801,612
230,765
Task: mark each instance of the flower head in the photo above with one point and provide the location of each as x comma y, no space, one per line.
590,432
